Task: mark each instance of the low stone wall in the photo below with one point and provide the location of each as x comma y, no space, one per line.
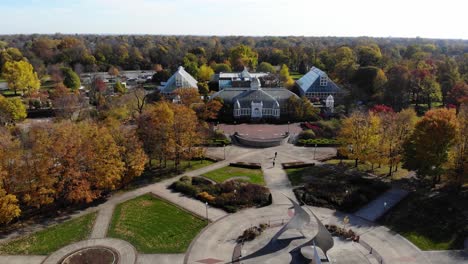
260,142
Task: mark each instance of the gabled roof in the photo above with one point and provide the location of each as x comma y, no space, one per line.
180,79
310,82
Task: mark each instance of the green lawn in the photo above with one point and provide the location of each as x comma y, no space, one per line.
223,174
366,167
9,93
154,226
296,75
431,222
51,239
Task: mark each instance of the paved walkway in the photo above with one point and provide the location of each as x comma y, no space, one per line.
375,209
217,241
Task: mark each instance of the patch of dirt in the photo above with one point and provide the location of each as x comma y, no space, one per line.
96,255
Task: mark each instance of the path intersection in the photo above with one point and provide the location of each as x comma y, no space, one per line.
216,243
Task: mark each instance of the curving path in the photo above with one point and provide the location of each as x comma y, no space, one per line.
216,242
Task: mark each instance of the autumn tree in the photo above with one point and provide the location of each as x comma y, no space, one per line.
285,78
10,154
130,148
20,76
243,56
155,131
426,150
208,110
205,73
11,110
458,94
66,102
425,87
395,129
113,71
458,155
185,134
188,96
359,135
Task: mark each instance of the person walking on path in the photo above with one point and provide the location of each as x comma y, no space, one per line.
273,163
276,154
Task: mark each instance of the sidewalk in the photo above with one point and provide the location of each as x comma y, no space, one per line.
378,207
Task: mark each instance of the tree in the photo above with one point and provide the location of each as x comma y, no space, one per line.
113,71
131,151
458,94
425,88
369,55
70,79
458,155
190,63
359,135
243,56
11,110
120,88
66,102
221,67
424,154
10,158
266,67
447,76
10,55
285,78
185,133
161,76
205,73
395,129
397,88
203,88
9,207
20,76
155,131
369,82
209,110
188,96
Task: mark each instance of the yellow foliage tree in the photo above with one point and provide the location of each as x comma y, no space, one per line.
21,76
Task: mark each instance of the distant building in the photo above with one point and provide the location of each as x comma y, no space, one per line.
180,79
316,85
237,79
253,102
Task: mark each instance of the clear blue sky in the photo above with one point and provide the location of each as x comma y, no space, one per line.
378,18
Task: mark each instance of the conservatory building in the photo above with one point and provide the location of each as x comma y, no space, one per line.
254,102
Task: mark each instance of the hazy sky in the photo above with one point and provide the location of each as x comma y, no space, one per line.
384,18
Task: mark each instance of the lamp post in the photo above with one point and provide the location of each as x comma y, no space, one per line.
224,146
206,206
315,149
288,126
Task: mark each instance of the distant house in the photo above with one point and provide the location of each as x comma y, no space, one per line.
252,102
237,79
316,85
180,79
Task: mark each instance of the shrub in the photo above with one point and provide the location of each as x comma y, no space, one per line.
185,188
306,134
200,181
206,197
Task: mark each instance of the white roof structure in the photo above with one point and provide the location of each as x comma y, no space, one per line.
245,74
180,79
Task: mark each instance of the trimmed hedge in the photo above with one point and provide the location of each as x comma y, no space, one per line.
246,165
294,165
323,142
